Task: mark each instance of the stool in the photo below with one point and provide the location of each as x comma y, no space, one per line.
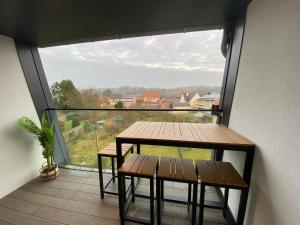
110,151
176,170
218,174
141,166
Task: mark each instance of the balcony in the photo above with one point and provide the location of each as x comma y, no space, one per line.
259,100
74,199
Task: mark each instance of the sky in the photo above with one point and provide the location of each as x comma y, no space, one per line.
161,61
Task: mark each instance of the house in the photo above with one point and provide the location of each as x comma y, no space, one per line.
151,98
128,100
206,101
166,104
194,99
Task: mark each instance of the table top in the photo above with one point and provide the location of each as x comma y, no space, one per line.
193,133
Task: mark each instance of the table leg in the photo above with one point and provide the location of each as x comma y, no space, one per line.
120,181
158,200
244,193
194,204
138,149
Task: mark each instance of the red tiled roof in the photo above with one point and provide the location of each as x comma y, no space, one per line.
151,94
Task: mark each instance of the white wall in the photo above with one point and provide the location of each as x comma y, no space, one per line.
266,109
20,156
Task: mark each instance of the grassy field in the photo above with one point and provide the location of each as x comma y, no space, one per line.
83,151
83,148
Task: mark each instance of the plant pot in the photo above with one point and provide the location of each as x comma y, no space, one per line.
49,175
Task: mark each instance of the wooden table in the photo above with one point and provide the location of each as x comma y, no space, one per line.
192,135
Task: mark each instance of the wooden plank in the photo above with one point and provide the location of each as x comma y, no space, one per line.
150,166
2,222
139,129
199,132
18,218
157,130
70,205
147,131
179,169
220,174
189,171
68,217
186,133
127,132
235,136
164,168
128,164
19,205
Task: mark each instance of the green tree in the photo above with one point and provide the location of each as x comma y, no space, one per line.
119,105
90,98
66,95
75,122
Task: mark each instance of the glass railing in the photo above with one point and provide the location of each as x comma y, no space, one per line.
85,132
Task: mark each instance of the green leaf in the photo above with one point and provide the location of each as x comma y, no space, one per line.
29,126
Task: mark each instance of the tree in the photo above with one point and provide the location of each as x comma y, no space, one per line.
90,98
119,105
107,93
66,95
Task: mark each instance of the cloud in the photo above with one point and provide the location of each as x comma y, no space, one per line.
189,57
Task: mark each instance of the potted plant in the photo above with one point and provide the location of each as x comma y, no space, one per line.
45,136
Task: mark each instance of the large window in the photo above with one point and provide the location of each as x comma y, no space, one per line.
181,71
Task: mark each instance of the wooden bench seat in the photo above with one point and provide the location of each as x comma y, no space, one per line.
137,166
218,174
221,174
110,151
176,170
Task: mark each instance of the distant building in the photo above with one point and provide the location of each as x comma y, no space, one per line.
194,99
206,101
128,100
166,104
151,98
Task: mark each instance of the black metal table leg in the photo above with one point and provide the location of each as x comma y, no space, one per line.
152,201
225,201
120,188
244,193
189,194
201,209
138,149
101,176
113,169
158,200
132,188
194,204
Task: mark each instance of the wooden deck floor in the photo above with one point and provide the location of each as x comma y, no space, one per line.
73,198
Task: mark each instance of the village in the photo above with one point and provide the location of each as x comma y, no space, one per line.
154,100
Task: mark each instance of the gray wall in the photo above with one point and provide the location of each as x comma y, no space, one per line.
266,110
20,155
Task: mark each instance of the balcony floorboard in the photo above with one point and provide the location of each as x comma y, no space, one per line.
74,199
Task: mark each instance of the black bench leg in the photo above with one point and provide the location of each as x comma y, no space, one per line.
194,205
158,200
132,188
225,201
113,169
201,210
121,199
189,195
162,189
152,201
101,176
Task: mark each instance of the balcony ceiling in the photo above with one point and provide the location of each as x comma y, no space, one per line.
56,22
